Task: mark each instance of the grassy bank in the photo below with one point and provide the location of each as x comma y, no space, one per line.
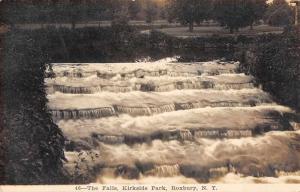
207,31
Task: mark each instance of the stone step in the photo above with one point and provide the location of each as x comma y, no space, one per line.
139,70
203,159
74,106
216,123
156,84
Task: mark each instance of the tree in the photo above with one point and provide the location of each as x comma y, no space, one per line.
74,12
170,11
162,14
134,8
120,18
279,13
235,14
189,11
255,10
151,11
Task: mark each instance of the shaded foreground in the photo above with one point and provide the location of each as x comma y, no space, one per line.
183,122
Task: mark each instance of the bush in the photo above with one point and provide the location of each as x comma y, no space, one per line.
275,61
33,144
279,13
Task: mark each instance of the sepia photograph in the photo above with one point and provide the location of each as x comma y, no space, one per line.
150,95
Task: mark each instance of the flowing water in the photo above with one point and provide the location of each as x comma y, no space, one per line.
172,122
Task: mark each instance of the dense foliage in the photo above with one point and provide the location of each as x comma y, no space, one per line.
189,11
232,14
122,43
57,12
235,14
134,8
275,61
33,143
279,13
76,11
151,11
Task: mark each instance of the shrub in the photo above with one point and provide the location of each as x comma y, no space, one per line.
33,143
275,61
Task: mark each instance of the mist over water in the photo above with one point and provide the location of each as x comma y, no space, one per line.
171,122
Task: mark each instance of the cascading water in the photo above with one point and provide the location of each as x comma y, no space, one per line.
164,171
66,106
185,122
94,84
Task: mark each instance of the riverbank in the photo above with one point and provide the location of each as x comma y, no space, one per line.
207,31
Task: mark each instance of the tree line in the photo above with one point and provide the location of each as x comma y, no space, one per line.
74,11
232,14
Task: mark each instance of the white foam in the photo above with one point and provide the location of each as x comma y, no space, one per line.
271,149
147,180
161,83
247,156
143,99
236,118
206,111
232,178
88,69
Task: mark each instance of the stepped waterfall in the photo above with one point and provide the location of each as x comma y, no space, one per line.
168,121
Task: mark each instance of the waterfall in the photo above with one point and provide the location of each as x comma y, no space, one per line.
127,172
164,171
116,88
75,74
234,86
165,87
151,87
176,85
76,90
219,71
218,172
186,135
181,135
201,121
133,110
144,73
284,173
105,75
83,113
144,110
162,108
207,85
111,139
182,125
184,106
215,104
109,70
222,133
